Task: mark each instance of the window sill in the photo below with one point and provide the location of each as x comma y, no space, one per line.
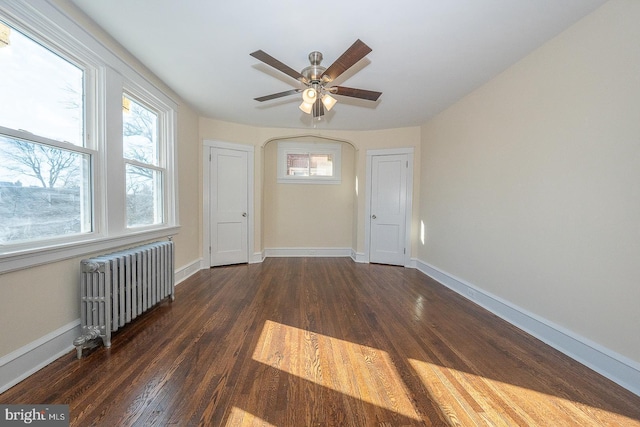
23,259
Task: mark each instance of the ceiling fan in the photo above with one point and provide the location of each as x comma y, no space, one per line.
316,96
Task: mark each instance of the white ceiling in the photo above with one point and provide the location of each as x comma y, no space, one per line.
426,54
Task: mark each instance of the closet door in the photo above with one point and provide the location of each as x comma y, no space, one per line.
388,209
228,206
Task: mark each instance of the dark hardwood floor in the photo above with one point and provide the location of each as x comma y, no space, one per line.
324,342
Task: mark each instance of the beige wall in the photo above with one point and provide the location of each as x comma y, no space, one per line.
217,130
37,301
531,184
189,240
308,215
528,189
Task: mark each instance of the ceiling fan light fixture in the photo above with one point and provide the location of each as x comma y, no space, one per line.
328,101
316,96
309,95
306,107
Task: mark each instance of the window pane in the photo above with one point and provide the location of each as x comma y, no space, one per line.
144,196
140,132
298,164
40,92
321,165
44,192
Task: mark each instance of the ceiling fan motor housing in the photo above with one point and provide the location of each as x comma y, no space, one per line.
313,73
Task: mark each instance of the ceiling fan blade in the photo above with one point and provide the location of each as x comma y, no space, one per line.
273,62
277,95
356,93
355,53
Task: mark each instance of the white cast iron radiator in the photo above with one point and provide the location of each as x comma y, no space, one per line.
117,287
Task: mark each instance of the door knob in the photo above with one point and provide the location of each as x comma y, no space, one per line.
373,217
244,214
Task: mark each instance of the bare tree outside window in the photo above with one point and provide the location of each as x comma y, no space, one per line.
41,193
44,188
50,166
54,113
140,146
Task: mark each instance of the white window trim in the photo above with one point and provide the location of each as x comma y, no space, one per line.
165,153
285,148
110,74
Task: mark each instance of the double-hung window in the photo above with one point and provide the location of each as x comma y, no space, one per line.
45,162
80,171
144,164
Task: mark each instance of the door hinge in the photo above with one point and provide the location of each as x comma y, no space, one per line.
209,157
407,164
404,251
209,250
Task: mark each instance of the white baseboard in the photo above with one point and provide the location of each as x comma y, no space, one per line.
307,252
183,273
19,364
357,257
257,258
616,367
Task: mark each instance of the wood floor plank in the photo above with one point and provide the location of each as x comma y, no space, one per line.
324,342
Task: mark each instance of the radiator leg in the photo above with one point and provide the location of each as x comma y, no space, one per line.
91,333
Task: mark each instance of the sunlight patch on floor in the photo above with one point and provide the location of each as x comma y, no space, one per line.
355,370
471,399
239,418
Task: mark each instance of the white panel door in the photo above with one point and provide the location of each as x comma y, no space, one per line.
388,209
228,207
